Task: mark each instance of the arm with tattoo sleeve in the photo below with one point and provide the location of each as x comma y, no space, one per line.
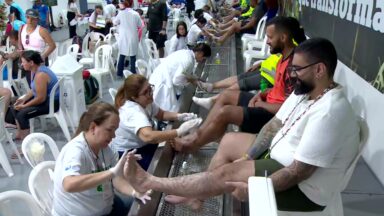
289,176
264,138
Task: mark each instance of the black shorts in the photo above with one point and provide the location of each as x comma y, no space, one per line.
249,81
292,199
253,118
157,38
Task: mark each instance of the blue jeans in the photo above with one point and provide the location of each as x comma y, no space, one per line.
146,153
120,65
121,205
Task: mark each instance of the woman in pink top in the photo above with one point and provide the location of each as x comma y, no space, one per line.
140,30
34,37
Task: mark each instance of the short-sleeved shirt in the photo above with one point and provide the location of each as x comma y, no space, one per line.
43,12
193,35
133,117
283,86
76,158
157,13
326,136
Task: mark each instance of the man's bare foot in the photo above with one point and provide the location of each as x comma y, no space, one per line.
136,176
192,203
186,143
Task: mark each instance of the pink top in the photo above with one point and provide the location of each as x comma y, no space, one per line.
36,42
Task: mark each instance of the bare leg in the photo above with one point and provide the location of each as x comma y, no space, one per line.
7,94
161,52
200,185
233,29
234,87
232,147
225,83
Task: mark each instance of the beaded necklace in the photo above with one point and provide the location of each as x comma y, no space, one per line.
284,133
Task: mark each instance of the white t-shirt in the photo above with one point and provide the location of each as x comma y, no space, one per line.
133,117
326,136
109,11
74,159
193,34
177,44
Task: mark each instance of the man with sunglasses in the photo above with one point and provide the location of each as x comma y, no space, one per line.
309,144
247,110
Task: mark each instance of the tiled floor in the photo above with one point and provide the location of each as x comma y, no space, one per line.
364,195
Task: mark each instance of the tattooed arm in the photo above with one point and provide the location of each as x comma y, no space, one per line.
264,138
289,176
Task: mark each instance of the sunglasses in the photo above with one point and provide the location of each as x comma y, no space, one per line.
27,39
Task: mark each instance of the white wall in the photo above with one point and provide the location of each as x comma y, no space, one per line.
368,103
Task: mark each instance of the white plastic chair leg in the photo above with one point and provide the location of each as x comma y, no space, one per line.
13,146
5,162
63,124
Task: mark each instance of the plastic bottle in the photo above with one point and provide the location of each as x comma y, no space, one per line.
263,85
217,59
184,168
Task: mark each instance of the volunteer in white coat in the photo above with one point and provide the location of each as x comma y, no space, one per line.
170,77
128,22
87,171
136,110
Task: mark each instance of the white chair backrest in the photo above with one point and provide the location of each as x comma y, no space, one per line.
260,29
152,51
15,198
40,183
63,47
166,47
34,148
85,46
1,72
112,92
55,88
73,50
113,30
364,134
8,47
96,36
103,56
261,194
127,73
143,68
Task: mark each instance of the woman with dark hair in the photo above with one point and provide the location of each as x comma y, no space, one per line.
72,13
179,40
87,171
136,109
99,16
36,101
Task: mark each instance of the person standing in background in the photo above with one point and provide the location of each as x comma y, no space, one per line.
43,12
157,24
128,21
72,13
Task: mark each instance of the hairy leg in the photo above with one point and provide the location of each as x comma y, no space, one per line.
200,185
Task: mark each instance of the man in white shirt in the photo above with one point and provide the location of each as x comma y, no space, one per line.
311,142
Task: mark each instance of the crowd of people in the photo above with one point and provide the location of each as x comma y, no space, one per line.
307,132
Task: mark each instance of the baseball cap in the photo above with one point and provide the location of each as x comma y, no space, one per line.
32,13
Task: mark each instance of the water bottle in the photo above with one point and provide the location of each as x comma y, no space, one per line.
217,59
184,169
263,84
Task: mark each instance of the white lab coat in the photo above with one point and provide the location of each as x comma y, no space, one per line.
128,22
169,78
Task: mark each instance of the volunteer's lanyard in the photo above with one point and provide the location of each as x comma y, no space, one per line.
284,133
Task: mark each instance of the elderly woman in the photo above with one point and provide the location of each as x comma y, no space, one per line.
136,109
87,171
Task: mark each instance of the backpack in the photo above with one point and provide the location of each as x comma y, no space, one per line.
91,88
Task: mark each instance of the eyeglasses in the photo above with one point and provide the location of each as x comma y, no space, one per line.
295,69
149,90
27,39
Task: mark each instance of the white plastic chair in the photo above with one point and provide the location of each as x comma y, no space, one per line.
73,50
127,73
40,183
5,136
256,54
15,198
8,47
335,206
60,114
257,37
87,58
166,47
14,82
262,199
103,66
143,68
112,92
152,53
34,145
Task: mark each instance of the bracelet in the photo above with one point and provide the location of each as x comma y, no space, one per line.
246,156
